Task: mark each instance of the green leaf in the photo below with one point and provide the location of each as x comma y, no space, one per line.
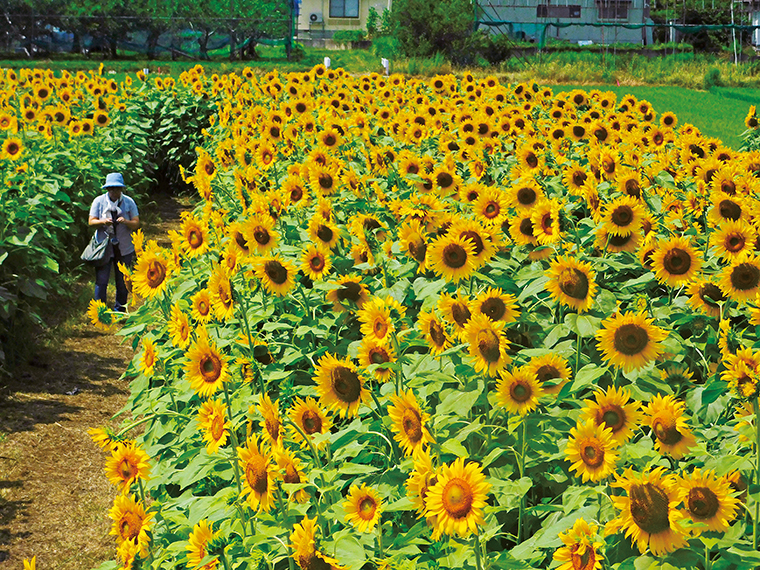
350,552
454,447
508,493
586,376
455,401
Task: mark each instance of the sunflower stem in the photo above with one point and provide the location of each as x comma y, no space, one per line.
244,310
380,539
578,348
135,424
521,506
225,563
284,513
708,564
233,459
756,407
476,548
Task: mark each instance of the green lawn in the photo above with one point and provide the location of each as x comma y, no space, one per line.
717,113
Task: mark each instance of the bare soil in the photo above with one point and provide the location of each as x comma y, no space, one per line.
54,496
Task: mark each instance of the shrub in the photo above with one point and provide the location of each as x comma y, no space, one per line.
345,36
297,52
386,46
712,78
426,27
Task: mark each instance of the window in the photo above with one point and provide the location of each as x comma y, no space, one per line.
548,11
344,8
612,10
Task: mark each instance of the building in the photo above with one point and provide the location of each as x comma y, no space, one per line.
752,9
322,18
596,21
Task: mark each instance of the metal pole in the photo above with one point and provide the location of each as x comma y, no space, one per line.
733,35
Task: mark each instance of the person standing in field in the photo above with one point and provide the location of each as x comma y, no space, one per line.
115,216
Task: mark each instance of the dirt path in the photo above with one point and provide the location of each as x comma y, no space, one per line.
54,496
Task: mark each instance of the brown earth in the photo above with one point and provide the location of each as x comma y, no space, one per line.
54,496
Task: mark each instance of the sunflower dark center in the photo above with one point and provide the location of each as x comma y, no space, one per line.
350,292
622,215
520,392
574,283
745,276
592,454
649,508
630,339
444,179
155,274
460,313
276,272
324,233
454,256
579,178
711,295
412,424
489,345
346,384
217,427
526,196
457,498
129,526
494,308
729,210
317,263
735,242
613,418
491,210
311,421
475,238
437,334
379,355
666,432
330,140
703,503
677,261
585,561
256,474
417,249
325,181
531,160
526,227
210,368
261,235
547,372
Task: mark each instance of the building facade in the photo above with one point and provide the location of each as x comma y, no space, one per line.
322,18
596,21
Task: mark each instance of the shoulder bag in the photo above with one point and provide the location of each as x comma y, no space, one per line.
96,252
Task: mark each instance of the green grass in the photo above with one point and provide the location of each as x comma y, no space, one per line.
719,112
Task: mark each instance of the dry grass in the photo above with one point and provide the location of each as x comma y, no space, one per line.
54,496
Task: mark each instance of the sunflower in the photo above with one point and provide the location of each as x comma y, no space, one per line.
207,367
363,507
195,234
483,238
307,418
457,311
202,306
408,423
258,232
615,410
709,501
323,232
457,499
276,274
648,513
305,553
630,341
373,353
179,327
104,438
491,206
434,332
623,216
151,273
348,294
100,316
149,357
292,474
519,391
30,564
572,283
591,450
521,229
672,434
376,320
211,421
742,377
412,242
420,480
675,262
488,344
741,280
220,289
198,545
579,552
545,218
130,522
271,425
315,262
497,306
524,194
340,385
128,464
550,370
706,297
258,480
452,257
12,148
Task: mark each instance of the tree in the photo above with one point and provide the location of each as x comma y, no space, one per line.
426,27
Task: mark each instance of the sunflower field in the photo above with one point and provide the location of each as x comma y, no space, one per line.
443,323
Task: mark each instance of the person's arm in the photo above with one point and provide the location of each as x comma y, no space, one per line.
132,224
100,223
